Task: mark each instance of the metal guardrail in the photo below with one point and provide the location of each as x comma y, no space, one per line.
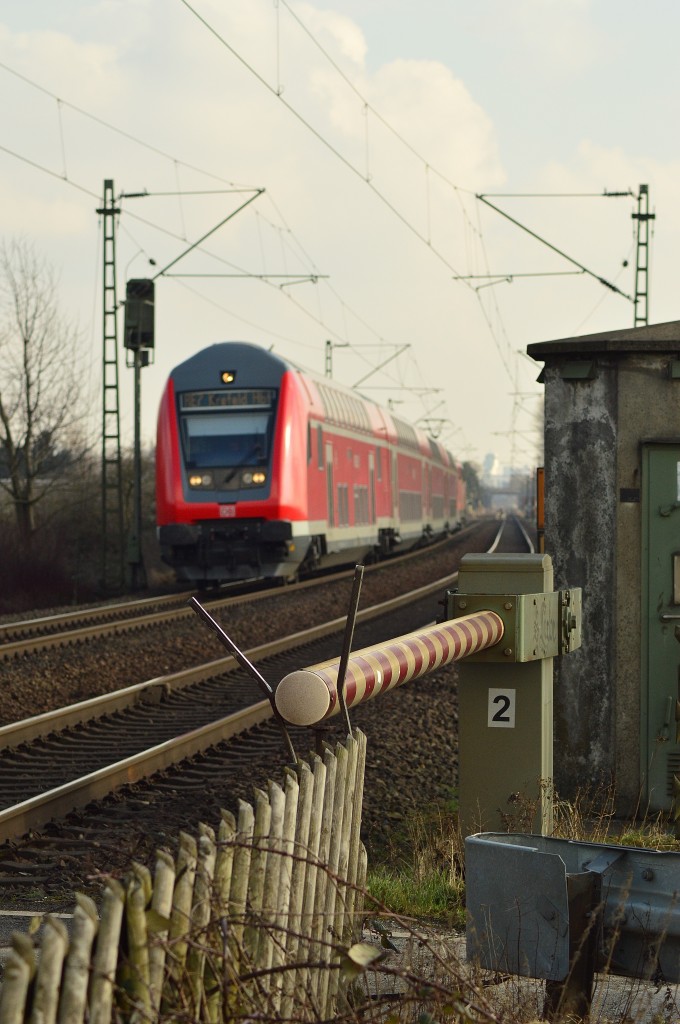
561,910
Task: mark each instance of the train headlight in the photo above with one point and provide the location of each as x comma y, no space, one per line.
253,478
194,480
200,480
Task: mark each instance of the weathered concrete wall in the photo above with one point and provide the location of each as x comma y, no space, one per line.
580,535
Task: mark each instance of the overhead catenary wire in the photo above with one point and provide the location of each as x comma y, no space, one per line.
318,135
162,229
570,259
107,124
424,237
172,234
277,92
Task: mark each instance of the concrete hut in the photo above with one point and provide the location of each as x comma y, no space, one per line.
612,527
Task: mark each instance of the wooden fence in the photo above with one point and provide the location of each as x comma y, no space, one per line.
252,920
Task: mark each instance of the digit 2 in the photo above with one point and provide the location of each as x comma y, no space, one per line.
504,703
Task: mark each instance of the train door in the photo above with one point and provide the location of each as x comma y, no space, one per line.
371,487
660,696
395,486
330,489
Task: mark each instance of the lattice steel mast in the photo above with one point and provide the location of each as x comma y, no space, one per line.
112,549
643,217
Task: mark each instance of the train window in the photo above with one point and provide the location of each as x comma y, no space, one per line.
378,463
343,505
356,414
344,409
319,446
329,484
309,442
330,405
226,439
435,450
360,504
347,405
361,416
405,433
339,408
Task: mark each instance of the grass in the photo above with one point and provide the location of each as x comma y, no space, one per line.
591,817
433,897
429,882
651,836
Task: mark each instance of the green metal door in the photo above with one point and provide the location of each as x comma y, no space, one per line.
660,746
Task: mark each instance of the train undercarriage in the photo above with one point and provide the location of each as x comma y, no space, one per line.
212,552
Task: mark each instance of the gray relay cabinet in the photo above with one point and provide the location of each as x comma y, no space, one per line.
612,527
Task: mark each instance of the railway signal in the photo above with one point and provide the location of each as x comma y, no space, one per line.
139,315
138,338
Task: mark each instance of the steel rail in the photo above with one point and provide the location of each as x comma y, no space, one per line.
40,809
99,612
29,729
37,811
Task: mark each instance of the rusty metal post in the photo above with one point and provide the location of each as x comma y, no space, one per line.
571,998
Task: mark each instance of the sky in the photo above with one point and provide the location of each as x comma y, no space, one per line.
360,135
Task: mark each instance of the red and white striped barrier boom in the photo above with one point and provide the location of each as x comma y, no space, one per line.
309,695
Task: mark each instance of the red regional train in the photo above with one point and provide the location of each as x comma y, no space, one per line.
266,470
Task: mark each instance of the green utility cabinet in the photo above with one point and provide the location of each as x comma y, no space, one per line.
660,749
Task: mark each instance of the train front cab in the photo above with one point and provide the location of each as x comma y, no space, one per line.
229,495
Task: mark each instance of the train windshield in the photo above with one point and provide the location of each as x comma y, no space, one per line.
218,439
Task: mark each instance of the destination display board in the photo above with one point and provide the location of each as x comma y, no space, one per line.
246,398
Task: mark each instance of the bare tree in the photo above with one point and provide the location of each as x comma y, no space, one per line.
39,390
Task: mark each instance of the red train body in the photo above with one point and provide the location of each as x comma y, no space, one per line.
263,469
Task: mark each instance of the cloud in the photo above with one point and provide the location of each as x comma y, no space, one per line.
335,32
436,113
89,71
559,36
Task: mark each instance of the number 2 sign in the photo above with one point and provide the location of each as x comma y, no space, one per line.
501,709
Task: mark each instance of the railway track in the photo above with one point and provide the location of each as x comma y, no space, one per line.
73,627
63,760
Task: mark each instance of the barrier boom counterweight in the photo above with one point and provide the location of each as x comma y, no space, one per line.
308,696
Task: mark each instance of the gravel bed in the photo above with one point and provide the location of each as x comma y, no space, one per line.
45,680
